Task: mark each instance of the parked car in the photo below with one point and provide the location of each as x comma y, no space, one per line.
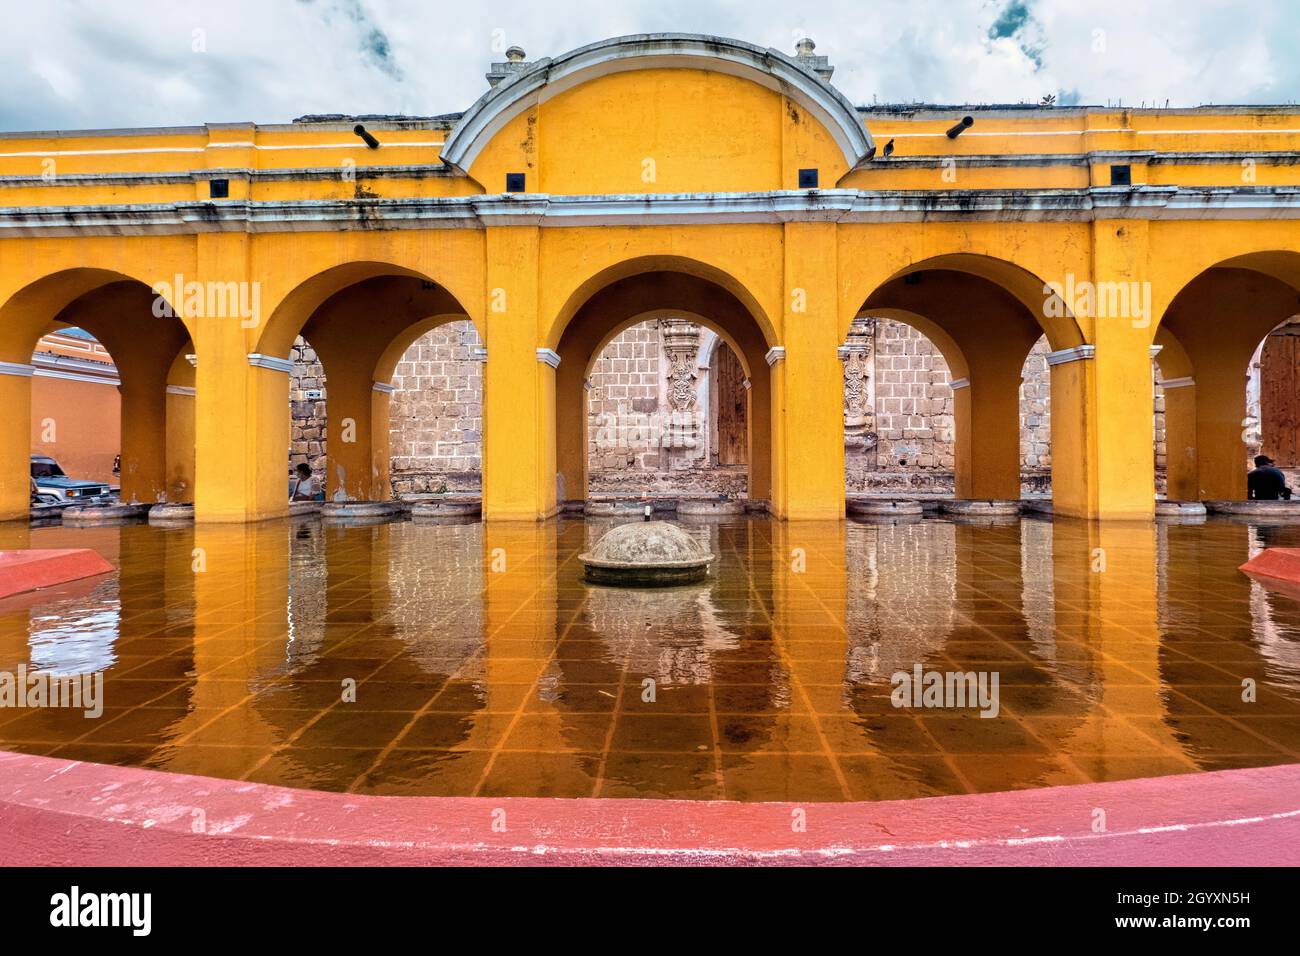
50,479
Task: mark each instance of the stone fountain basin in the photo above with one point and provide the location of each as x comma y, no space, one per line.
646,554
631,574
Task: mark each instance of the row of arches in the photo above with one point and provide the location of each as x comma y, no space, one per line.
984,316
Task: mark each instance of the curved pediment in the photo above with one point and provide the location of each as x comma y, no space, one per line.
717,62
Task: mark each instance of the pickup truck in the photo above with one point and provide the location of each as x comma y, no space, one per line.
49,479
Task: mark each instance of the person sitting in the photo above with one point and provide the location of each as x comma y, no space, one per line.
1266,482
304,485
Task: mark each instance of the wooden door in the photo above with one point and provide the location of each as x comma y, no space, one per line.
1279,399
733,435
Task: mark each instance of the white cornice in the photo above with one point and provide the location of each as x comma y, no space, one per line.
187,391
549,77
189,177
1184,382
1077,354
960,383
258,360
549,357
775,354
77,377
383,387
779,206
20,369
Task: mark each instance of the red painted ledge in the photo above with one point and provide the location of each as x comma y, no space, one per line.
1276,568
22,571
58,812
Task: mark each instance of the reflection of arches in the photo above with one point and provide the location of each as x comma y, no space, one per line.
1207,336
628,297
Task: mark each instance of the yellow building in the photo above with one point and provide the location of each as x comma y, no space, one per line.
691,175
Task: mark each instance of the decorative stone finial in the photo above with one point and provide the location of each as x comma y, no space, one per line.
515,62
818,64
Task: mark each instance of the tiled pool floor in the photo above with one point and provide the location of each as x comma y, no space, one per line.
471,659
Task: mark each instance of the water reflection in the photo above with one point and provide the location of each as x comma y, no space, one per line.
465,658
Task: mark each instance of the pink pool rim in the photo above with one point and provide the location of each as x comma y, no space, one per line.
60,812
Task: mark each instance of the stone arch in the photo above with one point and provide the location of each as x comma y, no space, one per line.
307,294
985,316
667,264
618,297
1208,334
141,332
357,357
551,76
1040,299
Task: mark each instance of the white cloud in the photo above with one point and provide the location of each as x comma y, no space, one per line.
94,63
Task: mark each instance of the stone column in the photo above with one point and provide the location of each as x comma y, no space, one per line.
859,358
681,345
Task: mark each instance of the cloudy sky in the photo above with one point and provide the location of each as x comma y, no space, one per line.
109,63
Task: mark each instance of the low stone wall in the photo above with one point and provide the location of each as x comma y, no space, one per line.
732,482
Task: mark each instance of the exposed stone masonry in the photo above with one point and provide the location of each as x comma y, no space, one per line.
436,413
652,420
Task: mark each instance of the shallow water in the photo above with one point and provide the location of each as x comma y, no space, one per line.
483,665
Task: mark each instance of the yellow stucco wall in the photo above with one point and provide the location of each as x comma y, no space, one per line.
646,170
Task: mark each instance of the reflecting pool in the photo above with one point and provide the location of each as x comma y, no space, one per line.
472,659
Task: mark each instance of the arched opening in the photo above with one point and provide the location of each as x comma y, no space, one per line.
667,412
360,320
66,340
1006,344
1273,397
692,301
1212,394
76,407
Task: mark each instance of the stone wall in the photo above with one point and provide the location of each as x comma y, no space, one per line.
910,443
649,413
622,398
1036,421
436,413
307,410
